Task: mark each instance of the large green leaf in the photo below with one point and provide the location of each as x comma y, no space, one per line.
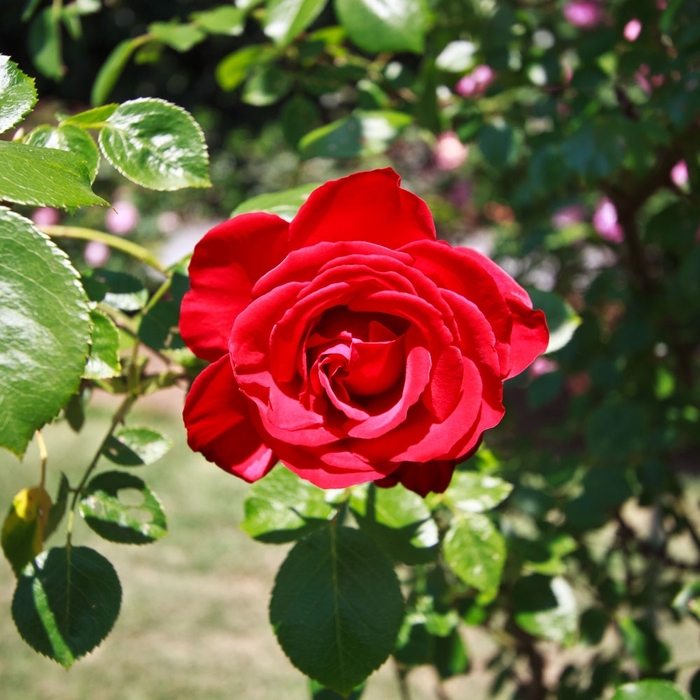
384,25
103,362
156,144
546,607
282,507
17,93
180,37
476,551
118,520
336,607
66,602
285,19
397,520
134,447
650,690
44,326
67,137
475,493
235,68
44,177
285,204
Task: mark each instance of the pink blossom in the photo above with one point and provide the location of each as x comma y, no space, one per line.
585,14
578,383
605,222
96,253
122,218
476,83
646,81
542,365
449,151
568,216
679,174
461,192
45,216
632,30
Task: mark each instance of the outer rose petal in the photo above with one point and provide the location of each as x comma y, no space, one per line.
367,206
226,264
218,425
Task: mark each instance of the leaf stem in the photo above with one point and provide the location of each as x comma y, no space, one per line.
43,456
88,234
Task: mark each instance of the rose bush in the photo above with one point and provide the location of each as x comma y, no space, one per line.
350,344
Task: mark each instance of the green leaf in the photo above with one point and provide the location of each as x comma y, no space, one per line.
44,326
44,177
285,19
181,37
543,555
497,144
103,362
475,493
595,150
111,69
226,20
686,601
58,509
397,520
336,607
44,43
546,607
284,204
159,327
650,690
450,656
118,521
134,447
66,602
476,551
156,144
266,85
17,93
282,507
320,692
30,9
91,118
235,68
384,25
363,133
643,644
562,320
67,137
118,289
299,116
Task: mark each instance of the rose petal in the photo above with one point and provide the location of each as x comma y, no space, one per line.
218,424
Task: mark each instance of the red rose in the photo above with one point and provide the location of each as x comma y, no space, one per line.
350,344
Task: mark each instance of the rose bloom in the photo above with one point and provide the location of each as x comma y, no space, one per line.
605,222
449,153
632,30
350,344
585,14
477,82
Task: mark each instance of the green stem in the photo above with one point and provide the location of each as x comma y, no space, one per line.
88,234
43,456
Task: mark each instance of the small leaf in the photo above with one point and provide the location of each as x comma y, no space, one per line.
226,20
336,607
59,507
181,37
281,507
134,447
476,551
44,326
650,690
562,320
103,362
117,521
384,25
299,116
546,607
123,291
66,603
111,70
235,68
45,45
450,655
24,526
285,19
497,144
30,9
156,144
67,137
91,118
475,493
17,93
266,85
159,327
44,177
284,204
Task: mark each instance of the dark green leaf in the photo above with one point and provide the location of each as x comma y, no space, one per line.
475,550
595,150
266,85
58,509
66,602
319,692
397,520
134,447
111,70
336,607
475,493
282,507
159,327
117,521
17,93
44,326
44,177
156,144
67,138
414,645
562,320
74,412
235,68
226,20
122,291
546,607
284,204
382,25
29,9
650,690
45,44
497,144
643,644
180,37
285,19
103,362
299,116
450,655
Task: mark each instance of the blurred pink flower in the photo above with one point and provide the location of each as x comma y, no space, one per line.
679,174
461,192
585,14
632,30
542,365
568,216
578,383
646,81
96,253
449,152
122,218
45,216
476,83
169,221
605,222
